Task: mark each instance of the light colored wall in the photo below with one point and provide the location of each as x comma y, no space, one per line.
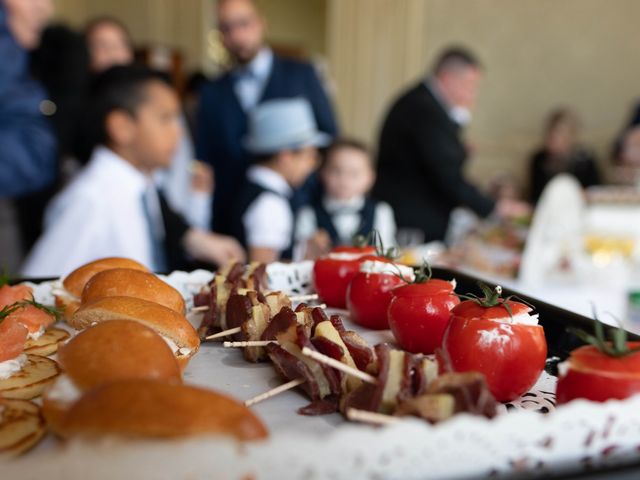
537,53
299,23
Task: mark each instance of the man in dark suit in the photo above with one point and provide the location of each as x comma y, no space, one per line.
257,75
421,153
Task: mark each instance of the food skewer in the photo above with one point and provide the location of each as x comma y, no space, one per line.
274,391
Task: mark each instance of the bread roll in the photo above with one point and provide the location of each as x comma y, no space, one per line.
169,324
107,352
154,409
69,299
75,282
125,282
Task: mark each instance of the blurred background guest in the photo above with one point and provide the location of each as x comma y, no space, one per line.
561,152
187,184
257,75
27,140
112,208
345,209
284,140
109,43
421,155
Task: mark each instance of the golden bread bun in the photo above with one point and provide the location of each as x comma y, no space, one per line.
163,320
28,383
117,350
154,409
48,343
74,282
21,426
125,282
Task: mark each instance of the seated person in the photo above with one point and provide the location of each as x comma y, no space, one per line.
561,153
624,152
283,139
112,207
345,210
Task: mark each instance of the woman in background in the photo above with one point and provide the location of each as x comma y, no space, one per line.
561,153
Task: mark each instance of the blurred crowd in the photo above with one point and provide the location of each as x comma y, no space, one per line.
100,155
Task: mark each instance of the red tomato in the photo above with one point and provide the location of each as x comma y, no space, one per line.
369,295
332,274
510,355
597,376
418,314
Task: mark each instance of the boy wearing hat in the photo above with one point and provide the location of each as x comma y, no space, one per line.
283,139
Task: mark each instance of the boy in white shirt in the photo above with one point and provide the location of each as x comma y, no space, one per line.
345,210
112,207
283,138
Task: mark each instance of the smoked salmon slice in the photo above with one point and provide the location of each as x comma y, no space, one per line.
13,335
10,295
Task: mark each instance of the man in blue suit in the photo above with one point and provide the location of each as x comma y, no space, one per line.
28,145
258,75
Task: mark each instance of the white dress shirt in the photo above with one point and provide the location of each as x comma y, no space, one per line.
251,79
99,214
268,222
346,218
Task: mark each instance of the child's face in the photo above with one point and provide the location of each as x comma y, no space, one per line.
297,165
156,128
347,174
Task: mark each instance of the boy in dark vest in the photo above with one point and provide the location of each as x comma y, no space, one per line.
283,139
345,210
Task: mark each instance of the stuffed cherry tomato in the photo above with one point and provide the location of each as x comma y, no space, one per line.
498,338
602,370
369,293
419,313
332,274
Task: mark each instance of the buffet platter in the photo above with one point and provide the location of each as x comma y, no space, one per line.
529,436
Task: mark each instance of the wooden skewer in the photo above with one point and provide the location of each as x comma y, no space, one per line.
274,391
251,343
365,416
354,372
224,333
304,298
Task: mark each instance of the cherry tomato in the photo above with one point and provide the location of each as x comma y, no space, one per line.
596,376
332,274
511,355
369,295
418,314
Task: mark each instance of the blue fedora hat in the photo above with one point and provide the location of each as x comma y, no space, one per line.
282,124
